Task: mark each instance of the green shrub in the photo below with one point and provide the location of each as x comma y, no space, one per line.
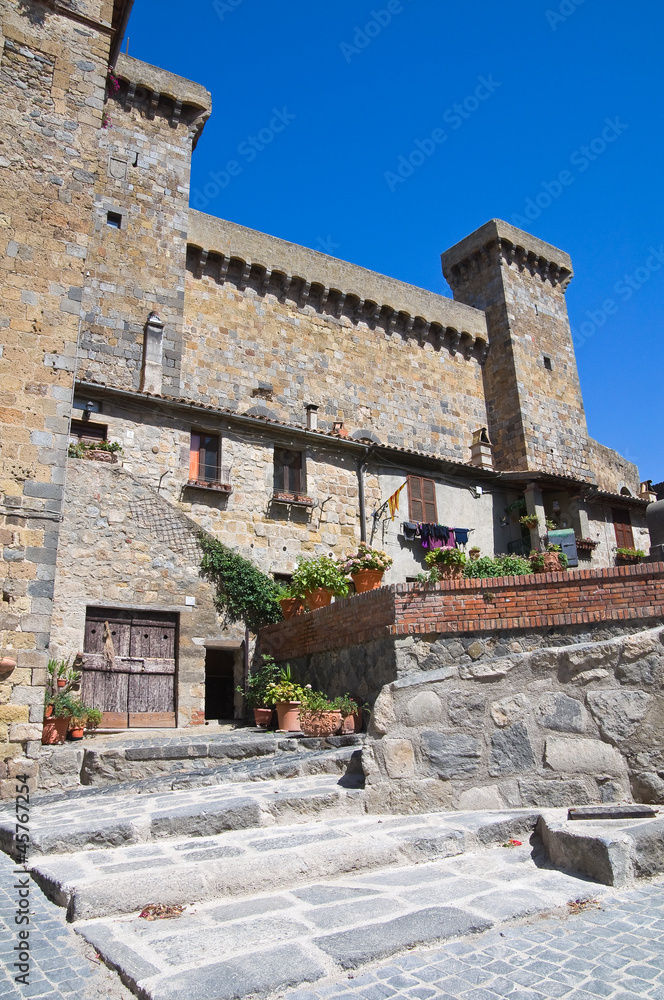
243,593
319,571
500,565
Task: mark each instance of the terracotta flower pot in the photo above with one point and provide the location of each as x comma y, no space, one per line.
48,711
352,723
320,723
367,579
552,563
54,731
449,572
319,598
61,682
7,664
262,716
288,714
76,733
291,606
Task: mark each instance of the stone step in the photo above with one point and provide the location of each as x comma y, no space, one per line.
103,817
611,851
93,883
311,932
238,755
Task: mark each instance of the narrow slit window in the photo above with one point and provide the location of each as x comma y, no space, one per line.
547,363
114,220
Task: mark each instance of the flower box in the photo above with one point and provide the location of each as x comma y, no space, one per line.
210,484
296,499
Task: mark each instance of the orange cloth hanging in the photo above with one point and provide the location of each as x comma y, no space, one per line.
393,502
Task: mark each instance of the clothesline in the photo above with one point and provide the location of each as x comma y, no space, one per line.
438,536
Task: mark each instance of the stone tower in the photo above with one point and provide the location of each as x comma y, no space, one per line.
533,397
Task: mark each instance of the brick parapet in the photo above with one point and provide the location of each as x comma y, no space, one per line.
621,593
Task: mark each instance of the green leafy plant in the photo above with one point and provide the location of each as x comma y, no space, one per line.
260,677
346,705
94,717
80,449
500,565
317,701
445,557
516,507
630,555
529,521
474,553
59,670
366,557
64,706
284,689
243,593
77,450
319,571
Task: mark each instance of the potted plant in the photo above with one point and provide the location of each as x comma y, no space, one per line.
56,721
549,560
448,563
84,718
351,713
318,715
290,601
629,555
366,567
474,553
286,696
319,579
260,677
529,521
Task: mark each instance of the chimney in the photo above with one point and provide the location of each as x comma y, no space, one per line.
312,417
481,449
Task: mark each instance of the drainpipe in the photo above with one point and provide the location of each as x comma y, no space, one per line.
361,469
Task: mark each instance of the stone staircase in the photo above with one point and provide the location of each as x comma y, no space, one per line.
281,875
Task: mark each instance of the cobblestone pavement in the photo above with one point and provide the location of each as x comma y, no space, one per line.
62,967
612,953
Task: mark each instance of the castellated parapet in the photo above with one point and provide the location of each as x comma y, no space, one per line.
533,397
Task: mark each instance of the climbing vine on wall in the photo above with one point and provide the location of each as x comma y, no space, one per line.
243,593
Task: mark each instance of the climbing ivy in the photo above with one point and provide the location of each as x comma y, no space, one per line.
243,593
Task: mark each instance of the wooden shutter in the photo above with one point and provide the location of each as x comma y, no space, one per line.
288,471
194,452
422,500
86,432
622,524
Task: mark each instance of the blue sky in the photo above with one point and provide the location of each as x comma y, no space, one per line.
357,85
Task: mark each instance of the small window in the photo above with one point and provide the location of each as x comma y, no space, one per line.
547,363
84,432
622,524
114,220
422,500
288,471
204,455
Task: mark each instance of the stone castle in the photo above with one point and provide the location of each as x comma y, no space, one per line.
268,393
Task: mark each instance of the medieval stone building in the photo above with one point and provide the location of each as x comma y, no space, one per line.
268,393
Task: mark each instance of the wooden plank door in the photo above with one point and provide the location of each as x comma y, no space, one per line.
129,667
151,688
104,684
622,524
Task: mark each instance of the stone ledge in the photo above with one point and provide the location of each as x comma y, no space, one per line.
160,81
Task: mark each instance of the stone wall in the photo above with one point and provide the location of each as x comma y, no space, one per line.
557,726
613,472
122,545
533,396
463,607
52,80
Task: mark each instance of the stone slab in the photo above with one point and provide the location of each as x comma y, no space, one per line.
348,949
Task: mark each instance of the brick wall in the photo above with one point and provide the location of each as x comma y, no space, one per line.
579,597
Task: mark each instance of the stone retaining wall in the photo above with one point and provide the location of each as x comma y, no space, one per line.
555,726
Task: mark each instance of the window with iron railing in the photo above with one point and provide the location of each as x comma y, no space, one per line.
205,468
289,477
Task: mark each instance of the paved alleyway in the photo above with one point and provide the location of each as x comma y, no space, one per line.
612,953
63,967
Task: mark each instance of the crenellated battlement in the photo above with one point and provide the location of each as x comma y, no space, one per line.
334,288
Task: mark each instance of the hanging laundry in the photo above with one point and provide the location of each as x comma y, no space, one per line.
410,530
461,535
393,501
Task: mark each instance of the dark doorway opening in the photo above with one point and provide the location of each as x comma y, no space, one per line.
219,683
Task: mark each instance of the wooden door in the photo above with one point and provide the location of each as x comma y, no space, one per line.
129,667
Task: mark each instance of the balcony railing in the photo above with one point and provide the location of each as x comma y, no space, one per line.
220,483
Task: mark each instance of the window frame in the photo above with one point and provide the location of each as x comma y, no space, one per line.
416,495
198,458
623,527
84,431
282,484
